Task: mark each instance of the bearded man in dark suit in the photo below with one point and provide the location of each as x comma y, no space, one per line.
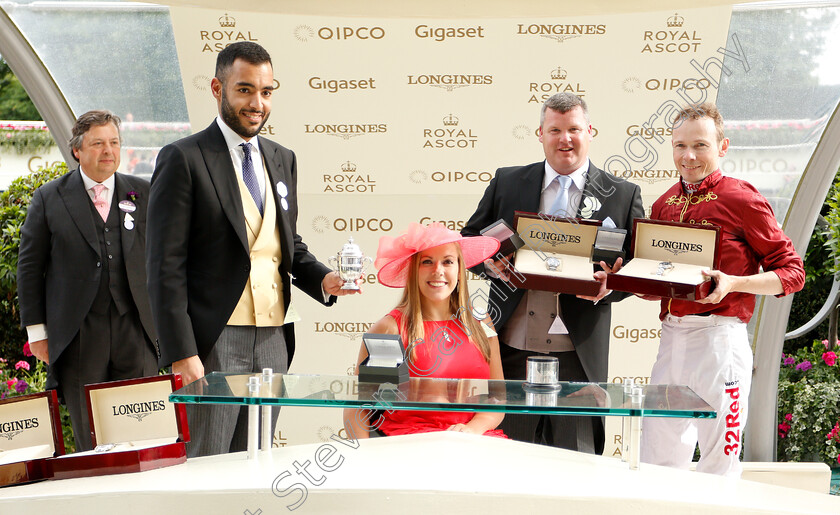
576,330
224,250
82,275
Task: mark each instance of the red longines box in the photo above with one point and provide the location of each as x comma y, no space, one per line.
668,258
30,433
134,427
556,254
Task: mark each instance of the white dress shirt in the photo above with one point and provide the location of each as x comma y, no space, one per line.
233,141
551,188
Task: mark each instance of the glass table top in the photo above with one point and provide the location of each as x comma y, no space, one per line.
423,393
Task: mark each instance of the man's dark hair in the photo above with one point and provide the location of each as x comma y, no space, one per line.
91,119
248,51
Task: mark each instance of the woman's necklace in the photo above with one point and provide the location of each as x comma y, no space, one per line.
444,331
441,330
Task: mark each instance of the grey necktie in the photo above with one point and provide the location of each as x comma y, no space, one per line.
561,203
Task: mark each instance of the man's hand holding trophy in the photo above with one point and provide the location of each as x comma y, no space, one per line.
349,264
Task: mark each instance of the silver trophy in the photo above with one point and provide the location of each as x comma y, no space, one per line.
350,264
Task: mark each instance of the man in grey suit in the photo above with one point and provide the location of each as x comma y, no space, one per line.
82,275
224,250
574,329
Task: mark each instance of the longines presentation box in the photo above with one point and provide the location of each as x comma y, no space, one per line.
556,254
134,427
385,362
509,241
30,427
668,258
609,246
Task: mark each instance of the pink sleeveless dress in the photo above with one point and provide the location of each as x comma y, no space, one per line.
454,358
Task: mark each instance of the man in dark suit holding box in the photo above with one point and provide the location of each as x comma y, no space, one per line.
82,273
536,323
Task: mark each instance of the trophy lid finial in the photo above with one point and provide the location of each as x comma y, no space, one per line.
350,249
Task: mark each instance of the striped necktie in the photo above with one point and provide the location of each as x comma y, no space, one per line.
250,177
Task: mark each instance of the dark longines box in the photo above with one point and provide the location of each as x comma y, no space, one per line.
668,258
134,427
509,241
555,255
385,362
30,433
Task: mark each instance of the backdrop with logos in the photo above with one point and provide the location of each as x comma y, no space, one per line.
405,119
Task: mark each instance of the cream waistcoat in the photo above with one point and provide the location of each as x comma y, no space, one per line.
261,303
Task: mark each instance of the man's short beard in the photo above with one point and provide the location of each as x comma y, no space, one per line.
230,117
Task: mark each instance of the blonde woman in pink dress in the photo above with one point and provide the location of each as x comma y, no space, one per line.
435,320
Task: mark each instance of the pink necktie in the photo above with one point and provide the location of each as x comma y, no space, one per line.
99,201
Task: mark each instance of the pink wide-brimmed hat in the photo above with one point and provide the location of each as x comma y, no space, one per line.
394,254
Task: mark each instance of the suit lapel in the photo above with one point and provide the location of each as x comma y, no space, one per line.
531,190
121,189
77,202
276,174
594,187
220,167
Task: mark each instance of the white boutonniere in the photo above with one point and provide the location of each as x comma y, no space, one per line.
283,192
589,206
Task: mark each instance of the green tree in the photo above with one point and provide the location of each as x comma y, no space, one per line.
14,102
818,278
13,205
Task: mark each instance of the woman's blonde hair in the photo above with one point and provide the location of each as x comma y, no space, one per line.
459,304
